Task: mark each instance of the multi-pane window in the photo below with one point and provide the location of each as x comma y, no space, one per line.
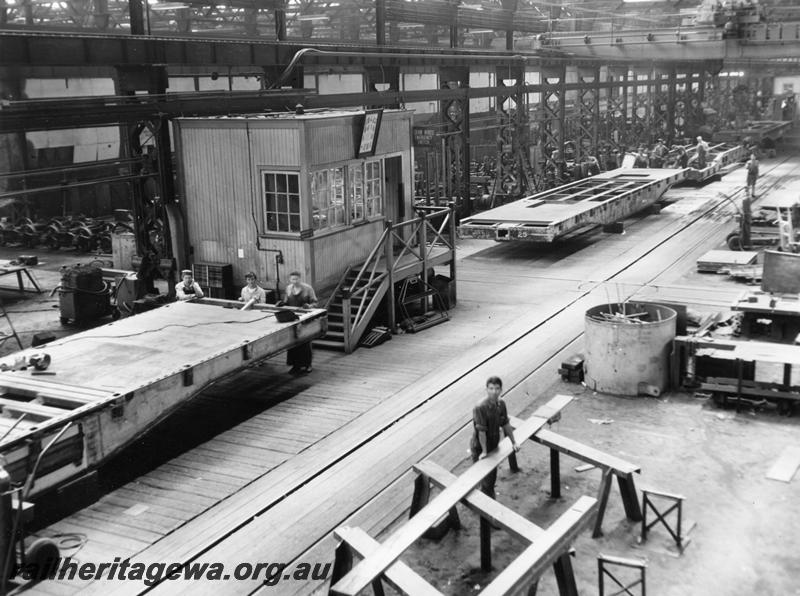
373,189
282,201
327,198
356,179
340,196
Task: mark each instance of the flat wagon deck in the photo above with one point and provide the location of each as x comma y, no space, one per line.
107,386
546,216
757,131
720,157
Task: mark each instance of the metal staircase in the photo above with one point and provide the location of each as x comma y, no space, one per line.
351,307
403,250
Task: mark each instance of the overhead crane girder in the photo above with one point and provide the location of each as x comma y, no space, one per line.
676,44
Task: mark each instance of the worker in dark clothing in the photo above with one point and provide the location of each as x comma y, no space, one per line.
752,175
299,294
488,417
682,160
641,159
658,154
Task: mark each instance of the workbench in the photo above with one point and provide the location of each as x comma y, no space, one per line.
741,369
769,317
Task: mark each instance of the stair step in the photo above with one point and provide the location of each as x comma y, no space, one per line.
335,335
335,325
337,309
329,345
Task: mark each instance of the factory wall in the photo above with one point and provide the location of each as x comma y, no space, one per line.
78,145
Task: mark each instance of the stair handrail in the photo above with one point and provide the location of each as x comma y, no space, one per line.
354,291
373,253
408,247
368,276
422,252
438,233
338,288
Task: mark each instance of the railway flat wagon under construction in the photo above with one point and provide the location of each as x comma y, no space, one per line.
600,200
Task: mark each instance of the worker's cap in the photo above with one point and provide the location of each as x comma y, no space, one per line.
186,272
660,140
699,138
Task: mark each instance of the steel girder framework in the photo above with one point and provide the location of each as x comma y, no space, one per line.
640,94
588,125
433,22
614,124
661,106
455,116
552,109
514,173
150,195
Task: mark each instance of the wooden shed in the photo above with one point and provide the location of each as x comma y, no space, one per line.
318,187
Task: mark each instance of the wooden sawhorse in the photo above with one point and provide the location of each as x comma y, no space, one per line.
551,546
610,465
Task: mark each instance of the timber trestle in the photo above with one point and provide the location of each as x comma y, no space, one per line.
610,465
548,547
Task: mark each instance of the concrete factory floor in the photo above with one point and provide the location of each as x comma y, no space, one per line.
745,529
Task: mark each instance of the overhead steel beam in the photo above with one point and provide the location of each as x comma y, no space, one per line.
53,114
759,41
71,49
36,49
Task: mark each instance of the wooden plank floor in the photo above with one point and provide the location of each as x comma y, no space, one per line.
301,464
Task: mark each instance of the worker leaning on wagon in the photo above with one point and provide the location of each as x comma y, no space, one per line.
301,295
188,289
252,293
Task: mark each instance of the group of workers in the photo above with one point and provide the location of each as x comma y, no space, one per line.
660,156
297,294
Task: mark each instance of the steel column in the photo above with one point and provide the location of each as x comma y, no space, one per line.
588,122
455,115
380,22
553,108
615,132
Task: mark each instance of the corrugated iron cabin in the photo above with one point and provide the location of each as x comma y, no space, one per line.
253,185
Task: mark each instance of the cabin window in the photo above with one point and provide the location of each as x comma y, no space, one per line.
366,190
327,198
356,174
282,201
373,188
